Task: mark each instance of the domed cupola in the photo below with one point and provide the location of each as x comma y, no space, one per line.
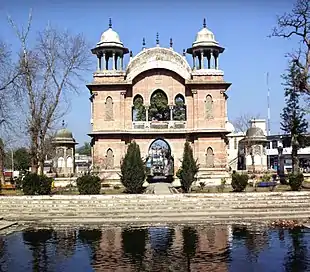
205,46
110,50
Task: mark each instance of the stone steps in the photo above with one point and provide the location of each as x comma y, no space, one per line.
172,208
163,208
166,214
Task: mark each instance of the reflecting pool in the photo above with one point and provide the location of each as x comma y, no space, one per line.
173,248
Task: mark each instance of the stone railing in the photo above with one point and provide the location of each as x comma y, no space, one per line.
158,125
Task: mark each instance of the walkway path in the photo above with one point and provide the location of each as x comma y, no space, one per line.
161,188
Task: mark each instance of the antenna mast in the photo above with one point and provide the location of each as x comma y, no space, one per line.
268,115
268,105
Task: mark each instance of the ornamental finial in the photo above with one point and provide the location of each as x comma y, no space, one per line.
204,23
110,23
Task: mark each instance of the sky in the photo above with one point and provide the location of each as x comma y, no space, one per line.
241,26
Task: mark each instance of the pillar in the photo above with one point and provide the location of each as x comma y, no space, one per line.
194,65
99,63
209,59
217,62
121,63
201,60
147,113
171,112
113,60
104,61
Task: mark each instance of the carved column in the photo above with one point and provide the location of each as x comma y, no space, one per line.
171,112
104,64
146,113
209,59
217,62
122,63
194,65
123,110
113,60
65,160
195,108
99,63
201,60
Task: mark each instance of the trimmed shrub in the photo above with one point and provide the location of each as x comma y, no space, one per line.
88,185
133,170
265,178
295,181
239,182
34,184
188,169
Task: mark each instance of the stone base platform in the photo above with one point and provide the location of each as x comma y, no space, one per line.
143,209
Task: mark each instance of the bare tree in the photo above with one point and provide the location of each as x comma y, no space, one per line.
51,71
297,24
242,123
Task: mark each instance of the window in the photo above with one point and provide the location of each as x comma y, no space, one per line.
209,107
109,109
274,144
109,159
210,158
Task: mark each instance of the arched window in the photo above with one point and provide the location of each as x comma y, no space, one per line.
210,158
109,109
179,110
138,109
69,162
60,162
159,109
209,107
109,159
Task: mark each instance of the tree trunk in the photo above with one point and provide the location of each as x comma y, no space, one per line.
41,167
294,155
1,163
34,154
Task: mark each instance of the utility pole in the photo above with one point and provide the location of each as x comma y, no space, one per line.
268,116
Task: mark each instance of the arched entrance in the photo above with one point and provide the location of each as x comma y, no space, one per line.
159,162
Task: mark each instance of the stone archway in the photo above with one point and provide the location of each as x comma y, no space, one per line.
160,161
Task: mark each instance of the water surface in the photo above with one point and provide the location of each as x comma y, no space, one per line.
177,248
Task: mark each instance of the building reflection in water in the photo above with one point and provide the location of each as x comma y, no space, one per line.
178,248
163,249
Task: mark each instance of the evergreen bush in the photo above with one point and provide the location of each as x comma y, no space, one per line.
295,181
188,169
133,170
239,182
88,185
34,184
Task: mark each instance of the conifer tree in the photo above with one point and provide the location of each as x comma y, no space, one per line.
133,170
293,116
189,168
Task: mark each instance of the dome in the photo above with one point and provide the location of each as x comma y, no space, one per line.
110,36
229,126
204,35
64,133
255,132
205,38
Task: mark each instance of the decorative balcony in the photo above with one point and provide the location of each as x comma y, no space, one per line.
158,125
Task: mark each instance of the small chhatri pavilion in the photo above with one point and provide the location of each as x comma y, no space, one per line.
64,160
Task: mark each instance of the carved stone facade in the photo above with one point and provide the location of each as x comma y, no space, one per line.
122,109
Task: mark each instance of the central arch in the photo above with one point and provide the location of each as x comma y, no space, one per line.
158,57
159,161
